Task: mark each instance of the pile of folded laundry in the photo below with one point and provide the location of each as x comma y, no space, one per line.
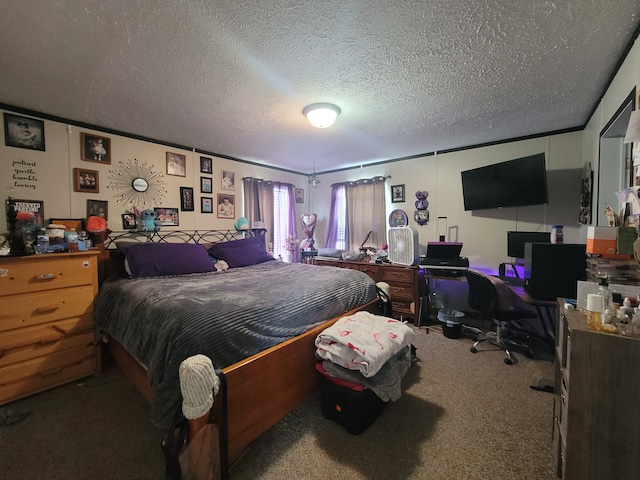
363,358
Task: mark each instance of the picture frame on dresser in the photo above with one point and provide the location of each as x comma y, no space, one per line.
29,213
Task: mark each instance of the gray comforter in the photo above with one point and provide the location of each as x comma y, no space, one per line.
227,316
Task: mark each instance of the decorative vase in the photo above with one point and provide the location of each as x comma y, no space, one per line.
288,256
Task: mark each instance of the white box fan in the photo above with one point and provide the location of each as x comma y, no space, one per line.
403,245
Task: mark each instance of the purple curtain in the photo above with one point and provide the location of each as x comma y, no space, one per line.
337,192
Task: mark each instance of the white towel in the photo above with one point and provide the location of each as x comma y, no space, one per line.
363,342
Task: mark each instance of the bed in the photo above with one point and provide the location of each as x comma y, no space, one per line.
257,321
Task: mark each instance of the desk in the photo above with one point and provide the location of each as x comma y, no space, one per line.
545,310
436,274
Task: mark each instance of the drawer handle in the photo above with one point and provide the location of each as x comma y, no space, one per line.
48,308
53,371
53,338
46,276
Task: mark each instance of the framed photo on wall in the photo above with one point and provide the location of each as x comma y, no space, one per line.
206,204
95,148
98,208
206,165
228,180
87,181
176,164
299,195
206,185
226,206
397,193
23,132
168,216
186,199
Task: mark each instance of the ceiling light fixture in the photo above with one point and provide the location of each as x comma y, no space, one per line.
314,181
321,115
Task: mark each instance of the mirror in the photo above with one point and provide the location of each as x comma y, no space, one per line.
137,183
615,171
140,184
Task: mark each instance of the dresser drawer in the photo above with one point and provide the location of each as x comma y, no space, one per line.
396,275
46,272
33,309
402,291
330,263
50,365
369,269
45,373
403,307
27,343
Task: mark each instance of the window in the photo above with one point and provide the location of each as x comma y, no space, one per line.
281,218
273,204
341,221
357,214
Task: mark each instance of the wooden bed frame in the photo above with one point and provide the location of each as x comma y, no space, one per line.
261,389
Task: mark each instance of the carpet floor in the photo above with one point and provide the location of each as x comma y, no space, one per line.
461,416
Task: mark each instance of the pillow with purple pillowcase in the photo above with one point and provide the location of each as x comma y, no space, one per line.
241,253
157,259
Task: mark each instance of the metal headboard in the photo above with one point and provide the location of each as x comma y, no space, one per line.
180,236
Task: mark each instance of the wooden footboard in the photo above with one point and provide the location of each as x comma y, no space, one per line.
261,389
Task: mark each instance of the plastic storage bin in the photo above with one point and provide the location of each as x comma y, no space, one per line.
355,410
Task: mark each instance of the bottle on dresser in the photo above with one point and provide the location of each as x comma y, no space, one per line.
603,290
72,240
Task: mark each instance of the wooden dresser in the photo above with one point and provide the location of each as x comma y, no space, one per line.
47,335
595,427
407,284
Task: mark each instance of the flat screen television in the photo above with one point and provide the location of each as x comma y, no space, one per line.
514,183
517,240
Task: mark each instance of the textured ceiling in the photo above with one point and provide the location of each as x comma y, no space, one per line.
231,77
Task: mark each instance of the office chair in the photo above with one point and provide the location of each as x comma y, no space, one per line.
483,297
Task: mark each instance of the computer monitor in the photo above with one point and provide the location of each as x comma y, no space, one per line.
517,240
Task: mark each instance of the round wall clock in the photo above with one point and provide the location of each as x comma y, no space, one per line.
398,218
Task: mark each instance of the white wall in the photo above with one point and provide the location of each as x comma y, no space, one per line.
483,232
53,178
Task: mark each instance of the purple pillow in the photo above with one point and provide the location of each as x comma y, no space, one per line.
241,253
155,259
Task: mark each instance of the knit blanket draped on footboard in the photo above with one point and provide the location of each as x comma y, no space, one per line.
227,316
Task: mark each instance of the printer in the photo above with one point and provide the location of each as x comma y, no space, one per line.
443,258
